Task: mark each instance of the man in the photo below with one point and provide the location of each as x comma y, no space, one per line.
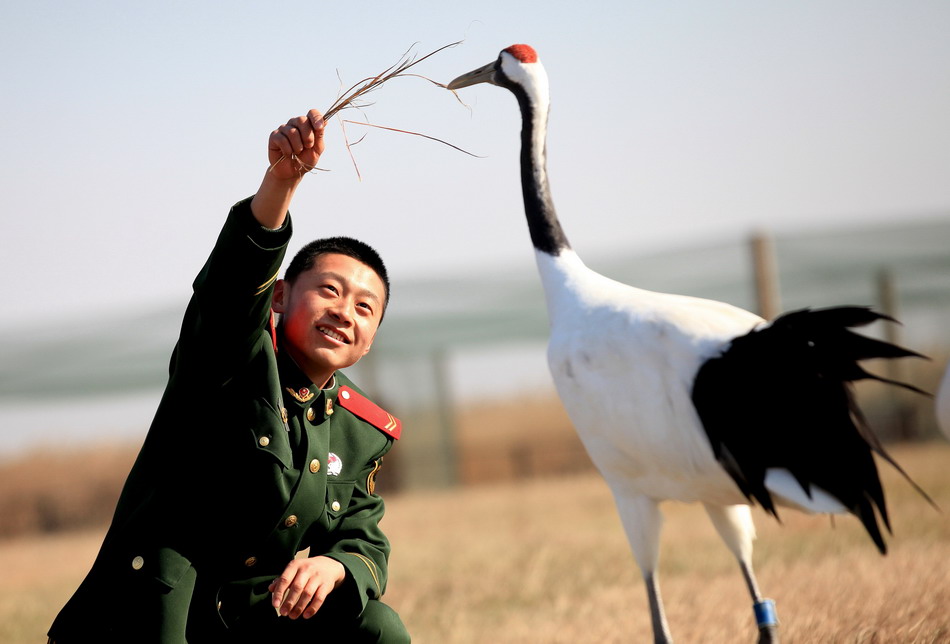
260,449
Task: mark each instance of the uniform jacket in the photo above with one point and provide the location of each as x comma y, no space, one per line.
246,463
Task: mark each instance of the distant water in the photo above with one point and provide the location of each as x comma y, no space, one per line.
74,422
83,421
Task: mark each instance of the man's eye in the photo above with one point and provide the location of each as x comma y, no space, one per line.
330,288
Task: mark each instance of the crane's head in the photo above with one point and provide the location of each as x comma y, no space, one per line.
515,66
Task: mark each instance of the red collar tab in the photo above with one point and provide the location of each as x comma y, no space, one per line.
369,411
273,330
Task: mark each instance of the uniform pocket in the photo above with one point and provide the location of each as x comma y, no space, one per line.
246,603
268,432
339,494
164,565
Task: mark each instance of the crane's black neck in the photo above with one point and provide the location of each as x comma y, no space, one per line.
543,225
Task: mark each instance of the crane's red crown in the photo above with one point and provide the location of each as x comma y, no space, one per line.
524,53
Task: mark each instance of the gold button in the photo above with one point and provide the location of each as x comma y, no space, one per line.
329,406
263,441
311,414
335,506
291,521
314,466
283,414
137,563
250,561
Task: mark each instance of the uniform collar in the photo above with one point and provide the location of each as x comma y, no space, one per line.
296,385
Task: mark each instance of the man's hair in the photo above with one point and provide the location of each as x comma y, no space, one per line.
306,256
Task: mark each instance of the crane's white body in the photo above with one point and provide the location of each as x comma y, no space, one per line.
624,360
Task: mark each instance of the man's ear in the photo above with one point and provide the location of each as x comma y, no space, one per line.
279,300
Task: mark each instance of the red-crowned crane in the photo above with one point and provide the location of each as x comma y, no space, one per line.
687,399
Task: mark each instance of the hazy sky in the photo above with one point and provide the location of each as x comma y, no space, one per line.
129,128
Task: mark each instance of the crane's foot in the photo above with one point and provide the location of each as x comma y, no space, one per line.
768,635
767,620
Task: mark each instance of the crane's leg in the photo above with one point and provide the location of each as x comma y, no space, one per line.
642,521
734,524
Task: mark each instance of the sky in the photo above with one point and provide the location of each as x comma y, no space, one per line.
129,128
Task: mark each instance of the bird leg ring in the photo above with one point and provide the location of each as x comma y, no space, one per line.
767,620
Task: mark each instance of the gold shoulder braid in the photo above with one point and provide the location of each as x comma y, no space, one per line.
371,479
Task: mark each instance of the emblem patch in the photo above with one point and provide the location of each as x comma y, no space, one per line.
304,395
334,465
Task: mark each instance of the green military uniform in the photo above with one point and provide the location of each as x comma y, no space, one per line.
246,463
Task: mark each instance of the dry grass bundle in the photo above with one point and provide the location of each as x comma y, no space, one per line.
354,97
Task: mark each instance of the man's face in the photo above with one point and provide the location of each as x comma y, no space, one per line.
330,314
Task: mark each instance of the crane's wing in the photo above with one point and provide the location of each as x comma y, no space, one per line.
779,398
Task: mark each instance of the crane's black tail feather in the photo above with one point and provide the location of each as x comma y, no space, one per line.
878,448
780,398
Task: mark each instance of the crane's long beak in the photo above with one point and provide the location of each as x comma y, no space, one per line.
485,74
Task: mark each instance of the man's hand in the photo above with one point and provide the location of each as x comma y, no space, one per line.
306,582
295,147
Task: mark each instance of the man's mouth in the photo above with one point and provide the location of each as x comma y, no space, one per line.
330,333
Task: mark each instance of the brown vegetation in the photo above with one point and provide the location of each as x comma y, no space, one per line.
546,561
523,440
54,491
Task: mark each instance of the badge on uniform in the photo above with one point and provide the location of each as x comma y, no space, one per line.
303,395
334,465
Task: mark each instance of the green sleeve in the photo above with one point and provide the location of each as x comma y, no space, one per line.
231,303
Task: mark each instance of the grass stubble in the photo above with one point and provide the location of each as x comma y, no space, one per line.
546,561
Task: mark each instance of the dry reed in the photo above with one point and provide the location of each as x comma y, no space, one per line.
354,98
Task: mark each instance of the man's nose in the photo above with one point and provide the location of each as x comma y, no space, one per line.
342,311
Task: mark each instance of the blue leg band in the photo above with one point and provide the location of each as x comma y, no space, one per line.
765,614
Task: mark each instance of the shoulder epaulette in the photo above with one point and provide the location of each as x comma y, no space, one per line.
369,411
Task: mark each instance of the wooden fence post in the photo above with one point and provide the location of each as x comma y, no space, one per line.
903,412
445,406
765,271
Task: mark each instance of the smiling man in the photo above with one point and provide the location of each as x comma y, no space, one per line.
260,449
318,338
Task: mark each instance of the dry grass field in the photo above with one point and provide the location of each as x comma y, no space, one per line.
545,560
